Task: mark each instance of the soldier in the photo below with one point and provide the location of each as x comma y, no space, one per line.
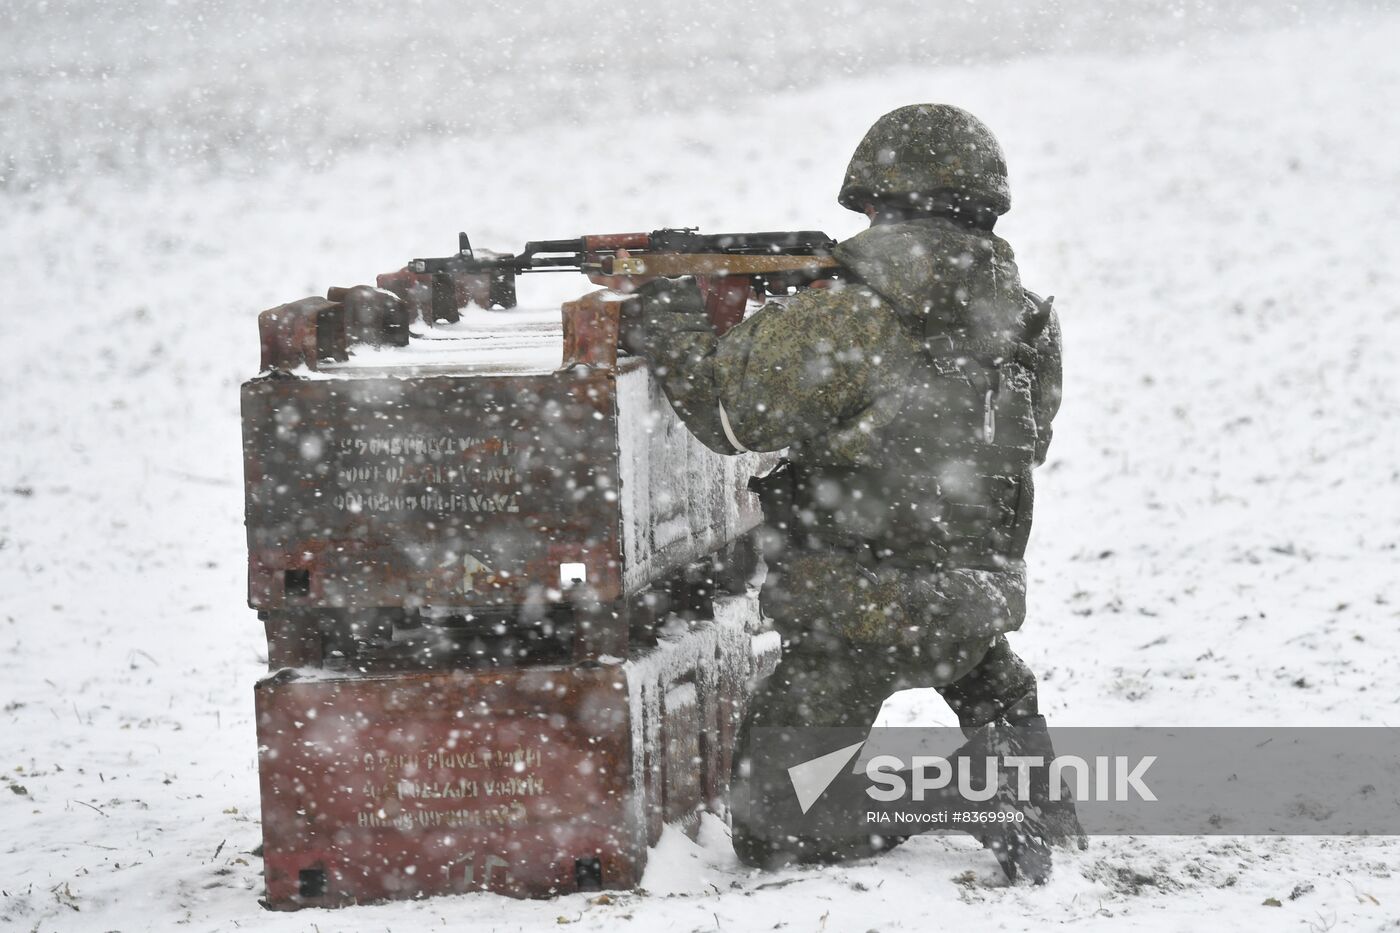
914,396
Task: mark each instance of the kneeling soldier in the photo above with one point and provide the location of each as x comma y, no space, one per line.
914,397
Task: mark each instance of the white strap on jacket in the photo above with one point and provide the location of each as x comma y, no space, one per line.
729,432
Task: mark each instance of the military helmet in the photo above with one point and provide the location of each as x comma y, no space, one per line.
924,150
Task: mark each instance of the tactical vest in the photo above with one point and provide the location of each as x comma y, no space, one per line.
949,482
985,446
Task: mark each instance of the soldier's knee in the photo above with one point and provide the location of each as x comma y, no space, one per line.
754,850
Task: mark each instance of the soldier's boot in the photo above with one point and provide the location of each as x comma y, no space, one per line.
1021,854
1020,848
1055,818
1023,849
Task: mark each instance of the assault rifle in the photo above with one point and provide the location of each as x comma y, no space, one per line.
729,266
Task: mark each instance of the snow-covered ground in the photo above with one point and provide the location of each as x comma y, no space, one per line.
1217,535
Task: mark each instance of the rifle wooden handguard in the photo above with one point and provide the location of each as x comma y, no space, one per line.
715,264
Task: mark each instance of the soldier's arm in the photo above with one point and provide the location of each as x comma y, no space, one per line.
788,373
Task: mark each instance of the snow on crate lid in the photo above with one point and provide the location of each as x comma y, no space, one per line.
514,342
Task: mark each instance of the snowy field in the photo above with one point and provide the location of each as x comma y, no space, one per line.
1217,533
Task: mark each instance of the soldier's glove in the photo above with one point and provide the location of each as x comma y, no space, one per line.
660,312
1038,311
1038,314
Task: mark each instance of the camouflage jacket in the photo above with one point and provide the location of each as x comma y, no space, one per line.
908,403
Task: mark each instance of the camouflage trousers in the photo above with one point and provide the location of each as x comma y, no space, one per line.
853,635
855,631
